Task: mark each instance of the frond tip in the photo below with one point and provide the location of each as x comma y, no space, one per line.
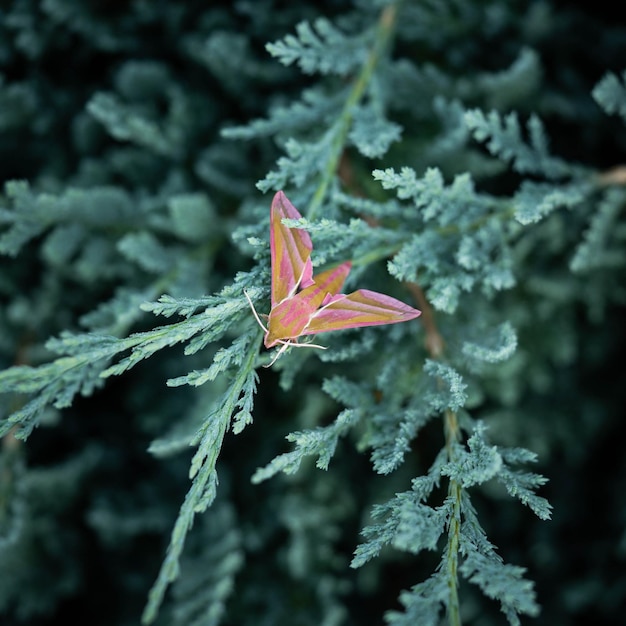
319,47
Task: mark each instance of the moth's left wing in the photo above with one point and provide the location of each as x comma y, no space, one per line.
360,308
290,249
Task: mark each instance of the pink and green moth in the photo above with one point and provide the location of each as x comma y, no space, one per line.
303,304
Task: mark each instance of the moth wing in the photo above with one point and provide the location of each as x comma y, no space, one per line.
360,308
325,285
290,250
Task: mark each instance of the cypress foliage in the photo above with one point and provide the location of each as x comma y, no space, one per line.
465,467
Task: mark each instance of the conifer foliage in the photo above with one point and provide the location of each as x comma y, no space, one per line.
463,467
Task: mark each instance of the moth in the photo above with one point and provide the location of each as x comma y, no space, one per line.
304,304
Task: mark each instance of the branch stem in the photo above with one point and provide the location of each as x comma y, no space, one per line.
384,32
435,347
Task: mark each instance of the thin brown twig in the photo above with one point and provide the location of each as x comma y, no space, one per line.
614,176
434,341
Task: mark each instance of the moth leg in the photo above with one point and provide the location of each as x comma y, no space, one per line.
293,344
282,349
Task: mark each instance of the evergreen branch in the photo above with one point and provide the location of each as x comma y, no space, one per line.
83,364
199,330
54,384
456,208
319,441
125,123
521,485
470,246
364,125
313,109
407,523
81,236
371,132
394,428
503,582
318,48
533,201
214,557
356,240
602,244
452,555
382,38
451,389
453,436
204,477
483,567
505,141
495,348
422,603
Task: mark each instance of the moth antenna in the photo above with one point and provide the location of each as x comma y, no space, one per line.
256,315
